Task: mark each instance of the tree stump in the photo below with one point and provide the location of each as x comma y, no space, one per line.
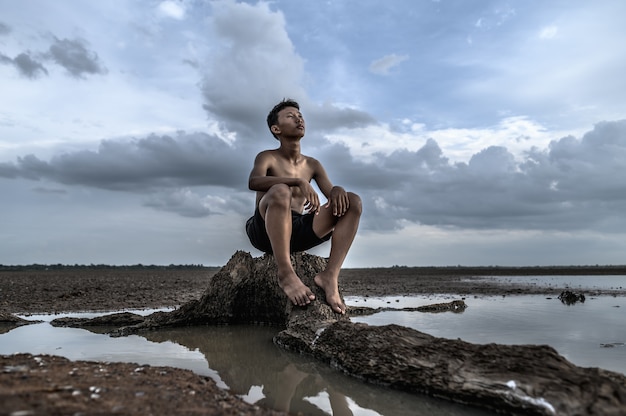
511,379
246,290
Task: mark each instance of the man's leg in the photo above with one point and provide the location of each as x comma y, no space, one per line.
345,228
275,208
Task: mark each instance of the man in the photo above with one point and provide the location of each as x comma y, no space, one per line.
289,216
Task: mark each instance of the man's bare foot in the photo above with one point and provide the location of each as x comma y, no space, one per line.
296,291
330,285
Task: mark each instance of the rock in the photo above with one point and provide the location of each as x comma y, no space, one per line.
569,298
245,290
456,306
113,320
509,379
9,321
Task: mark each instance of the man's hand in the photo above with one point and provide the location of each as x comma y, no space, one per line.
312,203
338,201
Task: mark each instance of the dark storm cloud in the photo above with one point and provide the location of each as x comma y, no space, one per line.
328,117
237,114
28,66
194,204
344,170
74,56
5,60
180,201
43,190
140,165
573,184
25,64
4,29
253,66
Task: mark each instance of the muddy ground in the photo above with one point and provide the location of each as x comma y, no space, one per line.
109,289
46,385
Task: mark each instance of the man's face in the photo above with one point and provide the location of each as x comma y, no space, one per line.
291,122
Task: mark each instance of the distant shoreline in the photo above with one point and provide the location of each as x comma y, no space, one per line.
505,270
414,270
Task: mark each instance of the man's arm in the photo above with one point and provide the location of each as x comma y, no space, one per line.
264,183
260,181
337,197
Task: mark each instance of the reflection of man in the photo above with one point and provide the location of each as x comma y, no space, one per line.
291,379
247,361
282,181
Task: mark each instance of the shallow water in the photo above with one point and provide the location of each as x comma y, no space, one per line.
586,282
589,334
244,359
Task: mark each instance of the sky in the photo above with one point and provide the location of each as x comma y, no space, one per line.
482,133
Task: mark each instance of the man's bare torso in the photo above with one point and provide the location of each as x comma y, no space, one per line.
280,166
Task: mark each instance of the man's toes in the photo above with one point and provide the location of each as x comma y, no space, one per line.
338,309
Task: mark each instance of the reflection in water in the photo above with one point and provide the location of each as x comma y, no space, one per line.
240,358
5,328
254,368
577,331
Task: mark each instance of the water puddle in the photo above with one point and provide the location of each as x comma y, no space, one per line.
589,334
586,282
244,360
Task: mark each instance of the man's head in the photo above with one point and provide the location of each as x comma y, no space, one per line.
272,117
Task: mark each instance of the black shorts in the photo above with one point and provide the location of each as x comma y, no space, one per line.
302,235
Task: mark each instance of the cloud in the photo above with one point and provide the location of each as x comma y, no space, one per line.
545,76
25,64
383,65
328,117
142,165
54,191
517,134
187,203
74,56
172,9
255,67
4,29
71,54
573,184
548,32
28,66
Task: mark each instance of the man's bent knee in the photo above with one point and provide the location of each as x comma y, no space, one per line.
279,194
356,205
279,191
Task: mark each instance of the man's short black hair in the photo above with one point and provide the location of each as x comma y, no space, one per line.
272,117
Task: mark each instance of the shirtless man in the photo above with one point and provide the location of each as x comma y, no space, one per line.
289,216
